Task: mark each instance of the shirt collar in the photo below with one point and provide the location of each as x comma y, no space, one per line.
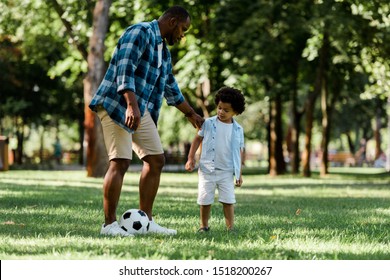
214,120
156,30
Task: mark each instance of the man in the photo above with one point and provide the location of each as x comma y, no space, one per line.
128,103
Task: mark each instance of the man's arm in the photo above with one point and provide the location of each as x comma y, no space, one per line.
133,114
190,114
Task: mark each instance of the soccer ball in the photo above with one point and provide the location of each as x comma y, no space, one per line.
134,221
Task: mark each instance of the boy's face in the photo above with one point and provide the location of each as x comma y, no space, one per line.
225,112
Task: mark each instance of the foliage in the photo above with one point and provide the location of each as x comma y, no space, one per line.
34,46
342,217
265,48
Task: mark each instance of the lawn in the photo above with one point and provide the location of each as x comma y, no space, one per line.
58,215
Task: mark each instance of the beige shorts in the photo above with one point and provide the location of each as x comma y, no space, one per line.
120,143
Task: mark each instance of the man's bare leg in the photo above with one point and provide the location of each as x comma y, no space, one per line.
112,187
150,181
148,187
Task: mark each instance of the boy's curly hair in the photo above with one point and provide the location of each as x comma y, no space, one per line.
232,96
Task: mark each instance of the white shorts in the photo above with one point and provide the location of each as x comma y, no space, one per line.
221,180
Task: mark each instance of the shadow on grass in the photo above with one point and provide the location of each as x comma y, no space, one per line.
27,211
269,225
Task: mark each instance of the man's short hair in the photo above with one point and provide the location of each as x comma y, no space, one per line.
177,12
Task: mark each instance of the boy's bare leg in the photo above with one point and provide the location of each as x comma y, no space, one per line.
205,215
228,211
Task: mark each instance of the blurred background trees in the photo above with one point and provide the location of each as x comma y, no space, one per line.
315,75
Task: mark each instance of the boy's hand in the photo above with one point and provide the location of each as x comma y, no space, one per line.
190,165
239,182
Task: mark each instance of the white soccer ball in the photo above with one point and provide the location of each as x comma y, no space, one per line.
134,221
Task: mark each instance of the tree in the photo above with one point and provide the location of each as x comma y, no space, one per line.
96,154
341,31
96,164
29,97
287,54
265,40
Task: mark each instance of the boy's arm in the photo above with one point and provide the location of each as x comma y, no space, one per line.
239,181
190,165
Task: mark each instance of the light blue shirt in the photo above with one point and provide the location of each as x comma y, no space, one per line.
207,157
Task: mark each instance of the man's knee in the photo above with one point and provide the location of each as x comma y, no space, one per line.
120,165
155,161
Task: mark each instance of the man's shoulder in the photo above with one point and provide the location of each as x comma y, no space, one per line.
140,28
143,25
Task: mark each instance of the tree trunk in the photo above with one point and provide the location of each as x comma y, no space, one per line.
95,151
388,136
269,140
308,131
81,140
41,131
277,165
93,147
272,169
377,131
325,129
295,155
202,93
19,134
310,103
296,116
351,146
19,149
327,111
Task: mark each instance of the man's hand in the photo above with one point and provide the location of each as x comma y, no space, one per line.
133,114
195,119
190,114
133,117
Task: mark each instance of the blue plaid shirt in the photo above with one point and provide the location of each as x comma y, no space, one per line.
137,65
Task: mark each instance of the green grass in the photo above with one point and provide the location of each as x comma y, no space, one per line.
57,215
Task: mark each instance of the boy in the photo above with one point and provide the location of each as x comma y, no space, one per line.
221,157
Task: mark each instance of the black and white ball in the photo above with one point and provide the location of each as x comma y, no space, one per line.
134,221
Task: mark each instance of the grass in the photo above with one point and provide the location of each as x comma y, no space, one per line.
57,215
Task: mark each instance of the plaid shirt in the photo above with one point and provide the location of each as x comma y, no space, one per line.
138,66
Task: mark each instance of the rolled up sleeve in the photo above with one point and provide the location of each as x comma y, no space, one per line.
131,46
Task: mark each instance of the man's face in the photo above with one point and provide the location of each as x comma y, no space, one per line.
178,30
